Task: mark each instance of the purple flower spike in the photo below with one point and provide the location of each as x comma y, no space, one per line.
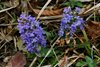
70,22
31,32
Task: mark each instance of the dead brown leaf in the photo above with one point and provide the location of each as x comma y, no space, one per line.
18,60
93,29
48,12
67,40
63,62
61,42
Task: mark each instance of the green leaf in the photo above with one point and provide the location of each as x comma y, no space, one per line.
79,4
81,64
73,3
49,35
20,45
67,4
44,52
83,45
90,61
29,55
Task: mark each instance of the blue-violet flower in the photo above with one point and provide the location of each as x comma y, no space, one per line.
70,21
31,32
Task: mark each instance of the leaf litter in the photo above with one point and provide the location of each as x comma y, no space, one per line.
70,52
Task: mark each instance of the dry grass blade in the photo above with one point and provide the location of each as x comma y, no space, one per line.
51,17
72,62
31,65
8,24
16,3
47,66
84,0
43,8
48,52
97,51
7,35
96,7
80,56
65,61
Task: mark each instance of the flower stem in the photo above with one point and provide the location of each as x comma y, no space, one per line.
85,35
87,47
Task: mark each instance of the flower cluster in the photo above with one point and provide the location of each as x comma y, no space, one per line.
31,32
70,21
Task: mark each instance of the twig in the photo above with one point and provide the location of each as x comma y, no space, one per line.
89,17
31,65
8,24
8,13
72,61
50,17
15,43
92,9
3,45
43,8
6,9
48,52
30,5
